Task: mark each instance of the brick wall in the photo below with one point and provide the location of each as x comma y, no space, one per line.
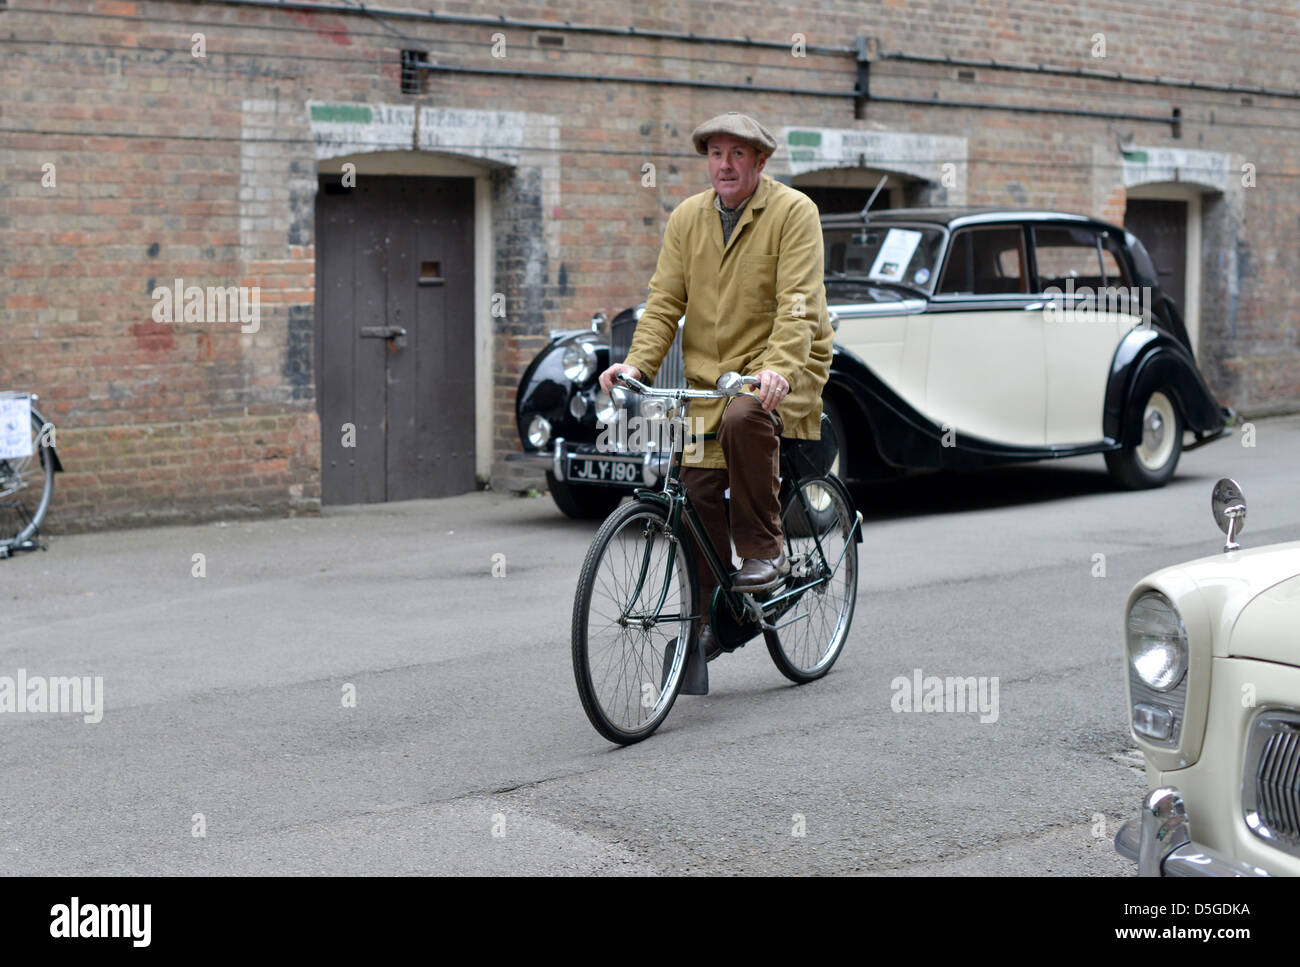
173,166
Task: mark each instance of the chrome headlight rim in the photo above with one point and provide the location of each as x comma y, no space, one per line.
578,362
1158,651
539,432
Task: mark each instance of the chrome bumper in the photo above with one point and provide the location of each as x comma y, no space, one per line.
1160,841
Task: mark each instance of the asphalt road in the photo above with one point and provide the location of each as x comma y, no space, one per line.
227,713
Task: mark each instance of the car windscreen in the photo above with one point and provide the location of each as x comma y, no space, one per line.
903,255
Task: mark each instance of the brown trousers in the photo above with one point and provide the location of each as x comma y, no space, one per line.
751,442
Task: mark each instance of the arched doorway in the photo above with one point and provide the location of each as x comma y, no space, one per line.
1175,203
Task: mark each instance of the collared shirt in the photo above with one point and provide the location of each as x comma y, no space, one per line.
730,216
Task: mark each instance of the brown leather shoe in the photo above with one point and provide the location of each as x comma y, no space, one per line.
761,574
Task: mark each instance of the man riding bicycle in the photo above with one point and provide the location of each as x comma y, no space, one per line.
743,261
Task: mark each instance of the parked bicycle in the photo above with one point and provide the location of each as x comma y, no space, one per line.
637,597
28,463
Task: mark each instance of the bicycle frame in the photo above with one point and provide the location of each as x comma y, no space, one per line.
679,509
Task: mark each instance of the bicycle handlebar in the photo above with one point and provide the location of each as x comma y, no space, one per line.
733,382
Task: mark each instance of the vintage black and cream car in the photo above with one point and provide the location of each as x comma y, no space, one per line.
1213,671
964,338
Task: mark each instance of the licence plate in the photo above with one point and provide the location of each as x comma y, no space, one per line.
604,470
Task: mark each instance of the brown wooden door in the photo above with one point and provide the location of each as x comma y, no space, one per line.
1162,227
395,331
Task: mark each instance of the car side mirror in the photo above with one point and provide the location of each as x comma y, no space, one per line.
1229,506
598,322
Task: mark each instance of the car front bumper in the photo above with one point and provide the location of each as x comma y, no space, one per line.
1161,843
650,467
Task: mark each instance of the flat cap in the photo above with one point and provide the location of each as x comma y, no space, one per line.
737,125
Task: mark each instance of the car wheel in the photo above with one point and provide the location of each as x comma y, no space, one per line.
583,503
1156,443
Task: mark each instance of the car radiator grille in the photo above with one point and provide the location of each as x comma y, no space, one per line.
1271,786
672,372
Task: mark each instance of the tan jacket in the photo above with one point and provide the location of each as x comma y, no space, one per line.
758,304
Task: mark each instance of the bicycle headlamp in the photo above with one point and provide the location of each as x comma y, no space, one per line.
605,408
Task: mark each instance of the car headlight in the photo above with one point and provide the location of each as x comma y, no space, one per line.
1157,641
539,432
578,406
579,362
606,409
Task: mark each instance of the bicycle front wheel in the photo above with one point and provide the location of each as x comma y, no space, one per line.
26,487
632,623
817,521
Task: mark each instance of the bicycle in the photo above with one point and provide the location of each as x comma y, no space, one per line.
636,597
28,463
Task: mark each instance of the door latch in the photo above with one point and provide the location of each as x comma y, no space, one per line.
396,333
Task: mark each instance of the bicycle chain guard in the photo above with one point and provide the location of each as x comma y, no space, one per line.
732,632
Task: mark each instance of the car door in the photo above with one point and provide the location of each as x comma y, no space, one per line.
1088,306
986,375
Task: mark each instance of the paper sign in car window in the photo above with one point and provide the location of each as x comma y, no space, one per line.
894,255
15,427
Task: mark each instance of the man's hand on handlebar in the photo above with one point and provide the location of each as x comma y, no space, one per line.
772,389
607,377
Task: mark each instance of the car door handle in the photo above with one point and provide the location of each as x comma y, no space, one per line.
1035,306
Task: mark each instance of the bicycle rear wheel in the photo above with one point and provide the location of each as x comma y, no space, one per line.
26,488
632,623
822,546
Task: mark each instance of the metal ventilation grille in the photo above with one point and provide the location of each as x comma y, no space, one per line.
1271,785
672,373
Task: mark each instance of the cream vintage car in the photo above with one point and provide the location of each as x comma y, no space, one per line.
1213,662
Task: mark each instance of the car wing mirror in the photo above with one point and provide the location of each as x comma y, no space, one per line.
1229,506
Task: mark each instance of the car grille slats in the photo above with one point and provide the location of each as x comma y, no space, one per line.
1271,786
1281,789
672,373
